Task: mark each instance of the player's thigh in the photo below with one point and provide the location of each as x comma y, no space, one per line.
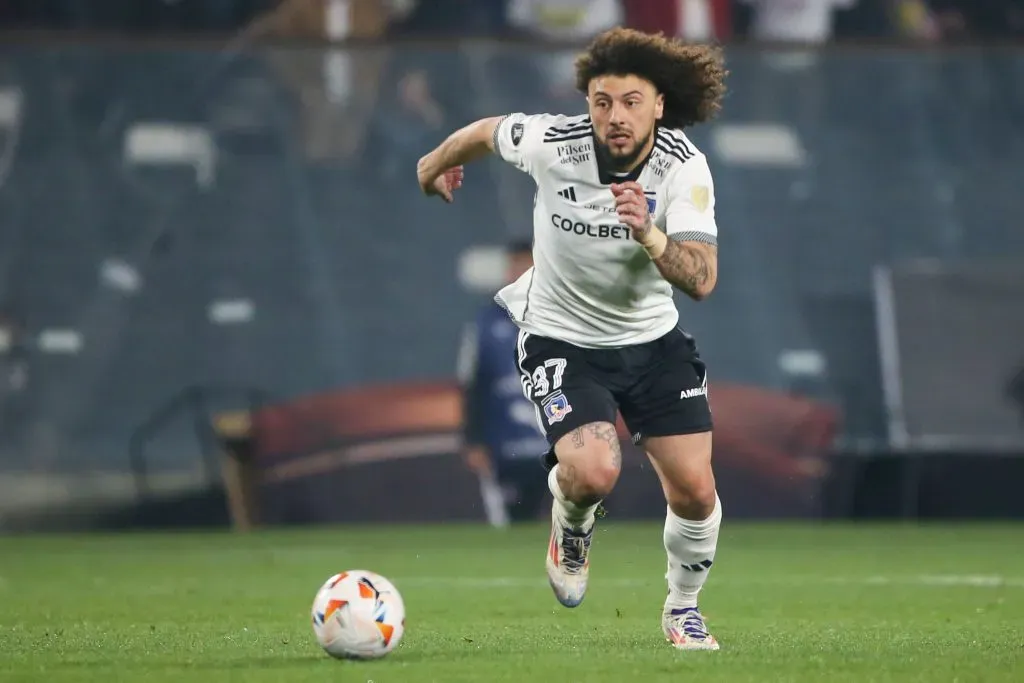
683,465
669,395
575,410
668,412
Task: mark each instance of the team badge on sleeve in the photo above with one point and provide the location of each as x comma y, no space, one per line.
652,202
701,197
556,407
517,134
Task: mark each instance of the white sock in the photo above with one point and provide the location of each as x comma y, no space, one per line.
691,551
578,517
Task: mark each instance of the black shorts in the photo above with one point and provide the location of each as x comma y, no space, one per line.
660,388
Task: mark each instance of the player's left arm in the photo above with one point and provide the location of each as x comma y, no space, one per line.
686,252
691,266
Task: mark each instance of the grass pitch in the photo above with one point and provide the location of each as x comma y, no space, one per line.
787,602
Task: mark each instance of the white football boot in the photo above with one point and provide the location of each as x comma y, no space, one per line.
684,628
568,561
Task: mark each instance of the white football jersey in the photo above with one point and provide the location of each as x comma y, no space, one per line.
592,285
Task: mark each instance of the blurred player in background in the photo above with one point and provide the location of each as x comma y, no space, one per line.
624,211
500,434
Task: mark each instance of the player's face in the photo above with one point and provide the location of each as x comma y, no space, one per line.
624,110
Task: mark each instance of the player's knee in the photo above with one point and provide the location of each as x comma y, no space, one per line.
693,498
599,478
589,458
590,477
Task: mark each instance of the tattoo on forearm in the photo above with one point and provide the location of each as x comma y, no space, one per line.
688,267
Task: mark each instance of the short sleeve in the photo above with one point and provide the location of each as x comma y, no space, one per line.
518,139
690,213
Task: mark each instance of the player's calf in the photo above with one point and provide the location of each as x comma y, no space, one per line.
692,521
589,460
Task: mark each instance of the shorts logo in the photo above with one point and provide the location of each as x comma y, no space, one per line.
517,134
702,390
556,407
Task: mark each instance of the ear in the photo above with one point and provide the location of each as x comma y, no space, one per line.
659,107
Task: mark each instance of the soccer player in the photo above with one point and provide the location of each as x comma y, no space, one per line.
624,211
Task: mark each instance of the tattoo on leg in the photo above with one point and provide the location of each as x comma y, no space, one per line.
572,481
566,479
606,432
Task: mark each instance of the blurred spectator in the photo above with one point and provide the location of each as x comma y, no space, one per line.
133,15
914,19
563,20
337,98
795,21
13,355
448,17
1015,389
502,442
406,124
698,20
978,19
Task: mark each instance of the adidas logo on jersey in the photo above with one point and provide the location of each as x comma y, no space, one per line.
568,193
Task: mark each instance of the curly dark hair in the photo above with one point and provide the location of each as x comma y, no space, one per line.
691,77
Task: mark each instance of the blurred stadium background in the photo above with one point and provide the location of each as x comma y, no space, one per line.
224,304
223,299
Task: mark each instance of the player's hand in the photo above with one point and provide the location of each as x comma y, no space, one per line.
631,205
443,185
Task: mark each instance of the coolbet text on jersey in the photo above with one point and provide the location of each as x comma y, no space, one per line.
592,285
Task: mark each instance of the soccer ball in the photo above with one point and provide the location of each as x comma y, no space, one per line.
358,615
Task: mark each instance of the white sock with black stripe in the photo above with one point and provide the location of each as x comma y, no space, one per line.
691,552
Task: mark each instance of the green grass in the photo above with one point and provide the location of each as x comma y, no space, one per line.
787,602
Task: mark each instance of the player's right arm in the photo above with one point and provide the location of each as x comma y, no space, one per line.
440,171
512,137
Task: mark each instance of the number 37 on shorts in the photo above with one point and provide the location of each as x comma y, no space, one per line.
544,386
659,387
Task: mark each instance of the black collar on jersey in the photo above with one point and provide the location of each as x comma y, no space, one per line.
604,174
